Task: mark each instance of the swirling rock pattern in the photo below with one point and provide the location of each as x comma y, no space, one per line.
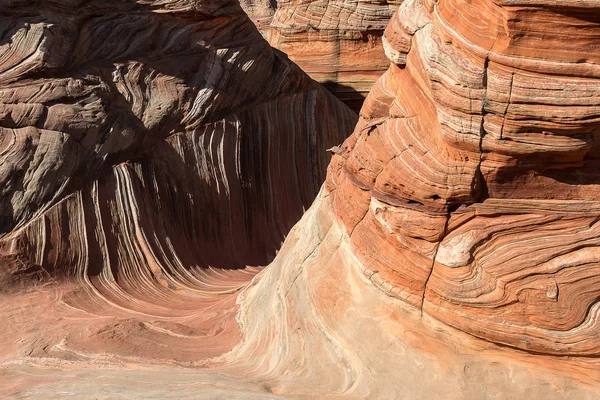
468,190
452,252
463,207
337,42
492,139
467,193
152,155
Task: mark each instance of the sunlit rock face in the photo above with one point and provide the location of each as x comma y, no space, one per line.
467,197
476,162
452,252
337,42
151,154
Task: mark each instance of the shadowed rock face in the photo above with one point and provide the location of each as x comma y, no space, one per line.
151,153
452,252
337,42
178,113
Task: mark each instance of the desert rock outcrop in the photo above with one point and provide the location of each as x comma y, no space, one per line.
178,110
337,42
152,155
468,194
452,252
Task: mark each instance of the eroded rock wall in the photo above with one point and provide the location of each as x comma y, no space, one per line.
338,43
182,106
451,253
476,164
467,196
152,155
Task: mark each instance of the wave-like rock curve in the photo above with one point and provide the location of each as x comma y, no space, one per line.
153,155
466,197
451,253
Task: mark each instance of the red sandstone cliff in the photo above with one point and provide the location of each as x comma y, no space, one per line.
467,197
451,254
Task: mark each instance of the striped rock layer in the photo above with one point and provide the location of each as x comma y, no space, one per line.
476,165
337,42
152,155
452,252
467,197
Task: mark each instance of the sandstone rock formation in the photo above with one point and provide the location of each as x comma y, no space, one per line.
452,252
152,154
177,113
337,42
467,196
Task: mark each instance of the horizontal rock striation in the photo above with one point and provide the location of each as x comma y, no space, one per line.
338,43
474,166
467,194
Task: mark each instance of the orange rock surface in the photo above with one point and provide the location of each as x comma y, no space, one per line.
337,42
452,253
476,163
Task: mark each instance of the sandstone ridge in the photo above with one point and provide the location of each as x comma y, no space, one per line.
452,252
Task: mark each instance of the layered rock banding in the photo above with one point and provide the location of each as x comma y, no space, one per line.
468,193
336,42
451,253
193,106
152,155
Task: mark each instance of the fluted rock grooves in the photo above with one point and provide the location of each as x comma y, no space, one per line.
153,155
452,252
